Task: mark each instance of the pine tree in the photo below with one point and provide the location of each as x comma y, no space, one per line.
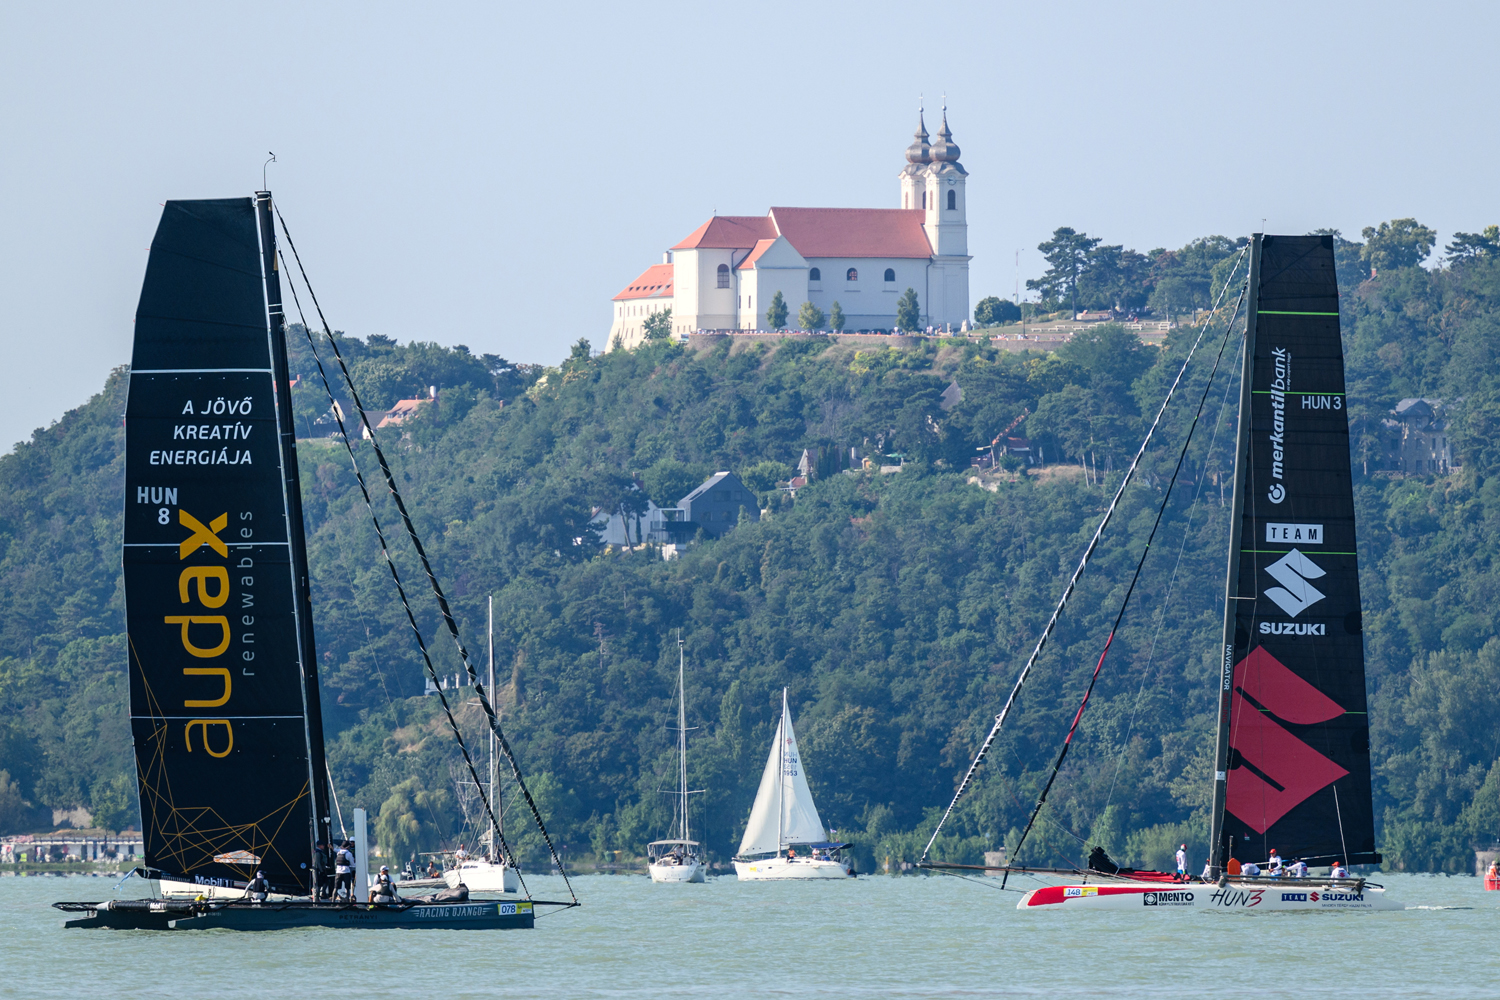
776,314
908,311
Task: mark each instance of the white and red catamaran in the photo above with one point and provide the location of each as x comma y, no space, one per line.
1292,760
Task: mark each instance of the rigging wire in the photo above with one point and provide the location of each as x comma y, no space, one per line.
1078,572
385,547
1161,510
1171,587
432,580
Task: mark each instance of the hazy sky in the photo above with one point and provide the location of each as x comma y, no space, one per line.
491,174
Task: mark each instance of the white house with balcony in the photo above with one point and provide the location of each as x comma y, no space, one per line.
725,274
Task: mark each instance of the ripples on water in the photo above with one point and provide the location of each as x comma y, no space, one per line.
873,937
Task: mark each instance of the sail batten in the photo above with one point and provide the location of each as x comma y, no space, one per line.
1293,769
226,751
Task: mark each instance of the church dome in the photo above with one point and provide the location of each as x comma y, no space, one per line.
919,151
945,150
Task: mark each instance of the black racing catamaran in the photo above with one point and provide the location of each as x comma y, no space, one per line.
1292,763
224,697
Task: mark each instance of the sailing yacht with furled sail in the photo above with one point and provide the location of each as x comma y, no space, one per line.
784,819
1292,755
224,695
678,860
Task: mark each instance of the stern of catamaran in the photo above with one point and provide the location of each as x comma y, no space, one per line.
1247,895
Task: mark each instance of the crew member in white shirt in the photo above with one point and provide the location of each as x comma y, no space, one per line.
1182,863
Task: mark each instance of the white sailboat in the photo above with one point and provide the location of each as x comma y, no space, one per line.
785,838
678,860
489,873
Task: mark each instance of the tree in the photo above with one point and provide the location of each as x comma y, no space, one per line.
669,480
776,312
658,325
1115,278
412,818
1395,244
1474,246
836,317
1067,254
908,311
763,476
993,311
810,317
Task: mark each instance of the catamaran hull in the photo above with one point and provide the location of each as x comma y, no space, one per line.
1237,896
185,915
790,868
692,872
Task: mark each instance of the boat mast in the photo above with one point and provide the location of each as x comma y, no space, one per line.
312,710
781,778
1216,843
494,803
682,741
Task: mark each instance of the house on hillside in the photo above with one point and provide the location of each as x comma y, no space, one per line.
398,414
1416,438
715,505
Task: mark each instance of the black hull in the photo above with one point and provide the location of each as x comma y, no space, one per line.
241,916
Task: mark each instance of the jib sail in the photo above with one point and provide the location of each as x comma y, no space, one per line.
1293,763
223,693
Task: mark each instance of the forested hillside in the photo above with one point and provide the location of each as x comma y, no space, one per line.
894,608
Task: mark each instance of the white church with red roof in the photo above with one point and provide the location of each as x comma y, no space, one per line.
724,275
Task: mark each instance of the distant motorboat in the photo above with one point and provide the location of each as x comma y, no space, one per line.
785,838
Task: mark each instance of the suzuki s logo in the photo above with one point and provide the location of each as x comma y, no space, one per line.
1292,571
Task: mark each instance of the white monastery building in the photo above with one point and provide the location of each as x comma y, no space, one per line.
724,275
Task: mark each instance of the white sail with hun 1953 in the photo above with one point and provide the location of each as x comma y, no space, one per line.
785,838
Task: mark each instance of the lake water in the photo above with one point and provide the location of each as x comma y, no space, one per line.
872,937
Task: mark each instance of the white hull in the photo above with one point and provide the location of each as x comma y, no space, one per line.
173,889
692,871
790,868
482,876
1248,896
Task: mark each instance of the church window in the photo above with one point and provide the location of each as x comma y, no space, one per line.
853,275
723,275
814,275
952,201
924,199
890,274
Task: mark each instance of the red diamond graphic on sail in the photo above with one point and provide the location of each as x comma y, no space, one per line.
1294,769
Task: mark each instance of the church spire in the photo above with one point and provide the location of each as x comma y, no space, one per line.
945,150
919,152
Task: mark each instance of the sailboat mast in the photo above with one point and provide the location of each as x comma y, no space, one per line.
494,805
781,778
312,710
1216,842
682,739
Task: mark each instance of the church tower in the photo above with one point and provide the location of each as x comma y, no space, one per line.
913,179
947,230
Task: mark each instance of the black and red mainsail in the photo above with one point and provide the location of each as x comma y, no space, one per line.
223,690
1293,756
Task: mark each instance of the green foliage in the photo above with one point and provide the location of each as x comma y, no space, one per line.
1399,243
1067,254
668,480
993,311
658,325
776,312
895,608
413,819
810,317
908,311
836,317
1474,246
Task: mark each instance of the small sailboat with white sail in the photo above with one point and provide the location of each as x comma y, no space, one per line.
678,859
785,838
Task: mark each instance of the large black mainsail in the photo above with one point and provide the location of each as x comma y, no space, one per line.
1293,756
223,690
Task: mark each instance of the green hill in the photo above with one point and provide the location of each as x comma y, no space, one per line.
894,608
